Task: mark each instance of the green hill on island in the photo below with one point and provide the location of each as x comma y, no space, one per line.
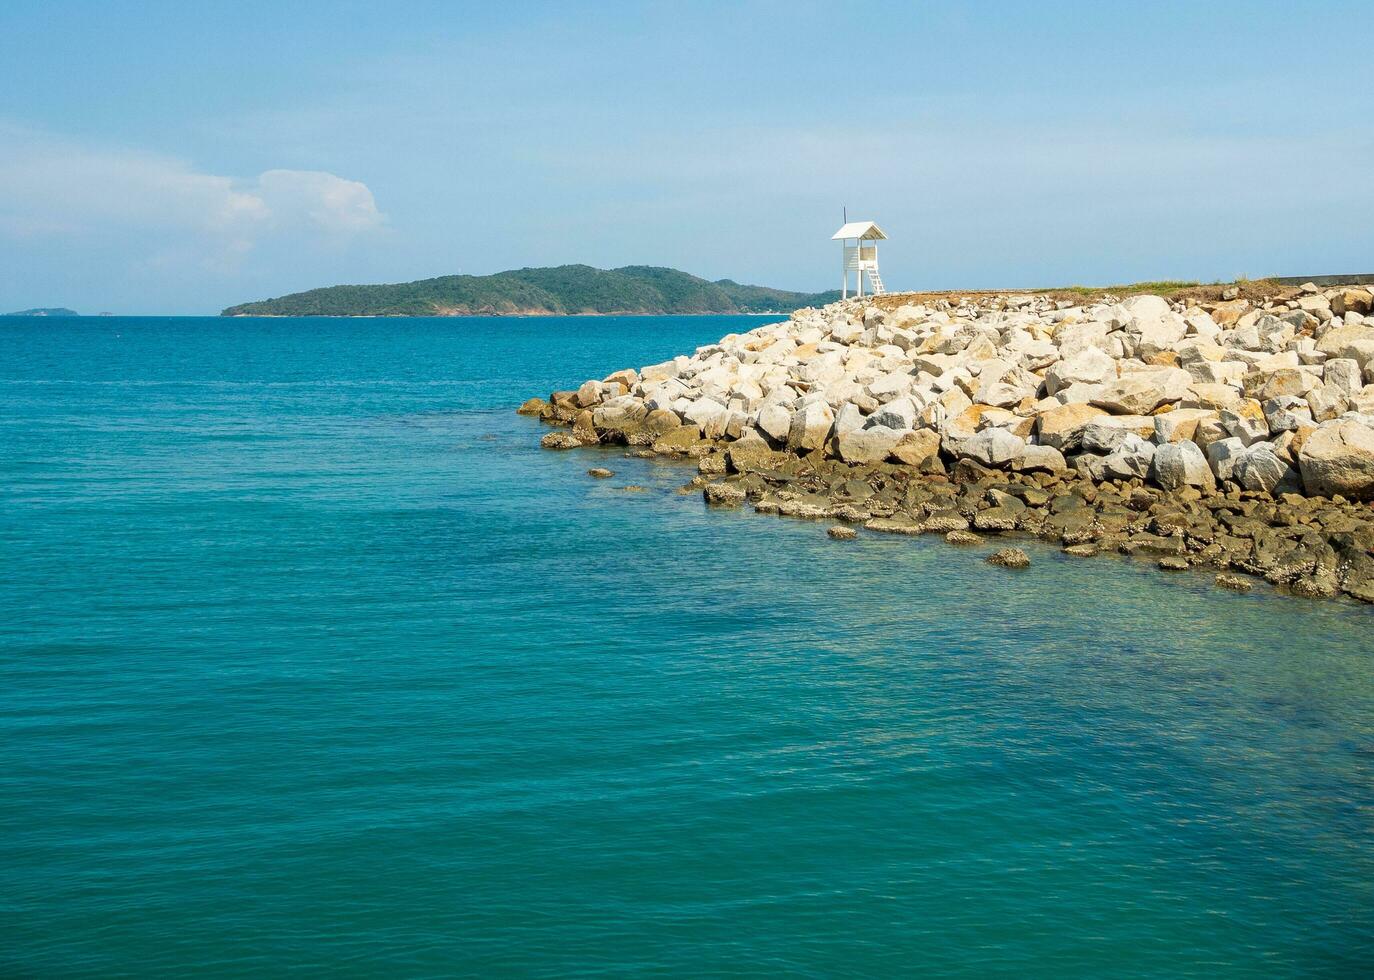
565,289
45,311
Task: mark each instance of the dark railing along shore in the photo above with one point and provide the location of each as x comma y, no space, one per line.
1362,280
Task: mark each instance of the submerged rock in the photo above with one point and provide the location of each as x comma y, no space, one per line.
560,440
1009,558
1236,583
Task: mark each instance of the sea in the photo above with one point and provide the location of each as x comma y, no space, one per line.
313,663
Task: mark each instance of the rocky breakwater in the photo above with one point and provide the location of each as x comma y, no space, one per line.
1233,433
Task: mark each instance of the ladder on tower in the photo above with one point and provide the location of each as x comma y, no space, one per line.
875,281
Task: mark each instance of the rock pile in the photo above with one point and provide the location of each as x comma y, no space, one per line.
1140,402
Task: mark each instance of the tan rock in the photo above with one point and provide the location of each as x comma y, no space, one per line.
589,394
869,445
915,448
810,426
1316,304
1210,396
1226,314
1140,394
1103,435
1180,425
970,420
1300,436
1359,301
1286,381
661,420
1355,341
1062,427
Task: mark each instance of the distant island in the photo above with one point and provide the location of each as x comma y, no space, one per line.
45,311
564,289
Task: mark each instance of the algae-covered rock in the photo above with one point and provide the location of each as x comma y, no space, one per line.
1236,583
724,495
560,440
1009,558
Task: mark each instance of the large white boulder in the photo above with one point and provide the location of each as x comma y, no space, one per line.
1153,336
1259,468
1040,459
1146,307
1129,460
703,410
1074,338
1089,366
775,420
1286,413
1222,456
810,427
1344,374
1181,464
1106,433
991,447
1181,424
1216,372
1143,392
619,413
1338,458
870,445
891,385
1355,342
1062,427
1245,424
848,419
900,413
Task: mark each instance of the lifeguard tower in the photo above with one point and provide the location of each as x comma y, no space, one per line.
860,258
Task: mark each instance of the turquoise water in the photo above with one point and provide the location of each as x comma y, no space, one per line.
312,660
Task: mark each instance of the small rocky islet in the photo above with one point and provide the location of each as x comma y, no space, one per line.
1220,430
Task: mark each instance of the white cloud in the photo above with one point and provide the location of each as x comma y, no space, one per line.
52,187
326,202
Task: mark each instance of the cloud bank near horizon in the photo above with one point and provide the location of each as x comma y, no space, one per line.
52,188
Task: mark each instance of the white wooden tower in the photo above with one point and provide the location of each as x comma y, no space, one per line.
860,258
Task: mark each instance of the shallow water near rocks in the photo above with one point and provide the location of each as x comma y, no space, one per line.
311,659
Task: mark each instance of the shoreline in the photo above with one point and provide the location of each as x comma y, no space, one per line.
1234,432
526,315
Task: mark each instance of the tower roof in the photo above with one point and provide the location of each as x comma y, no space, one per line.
859,229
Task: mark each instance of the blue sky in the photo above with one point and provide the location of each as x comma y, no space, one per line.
159,157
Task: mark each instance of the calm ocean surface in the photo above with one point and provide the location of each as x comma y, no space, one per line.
312,661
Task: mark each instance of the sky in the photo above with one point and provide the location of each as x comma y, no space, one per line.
182,157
